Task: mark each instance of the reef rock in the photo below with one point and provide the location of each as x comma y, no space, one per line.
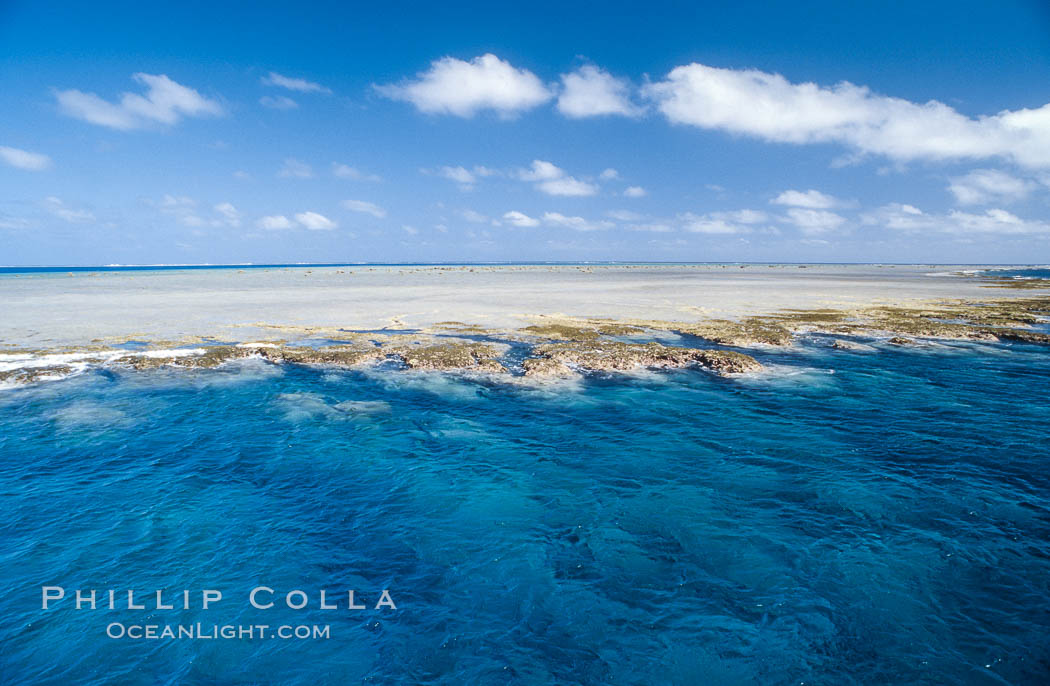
746,333
559,358
479,357
841,344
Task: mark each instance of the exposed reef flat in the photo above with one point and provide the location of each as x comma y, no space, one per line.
47,310
546,344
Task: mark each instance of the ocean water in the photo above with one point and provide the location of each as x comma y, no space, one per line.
1019,272
845,518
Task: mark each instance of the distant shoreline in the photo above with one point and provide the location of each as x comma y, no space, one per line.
46,269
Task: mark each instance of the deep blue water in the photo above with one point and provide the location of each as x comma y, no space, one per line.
1020,272
848,518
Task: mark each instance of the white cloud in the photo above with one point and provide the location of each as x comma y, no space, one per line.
984,186
653,228
743,216
726,223
812,199
710,224
58,208
365,208
609,174
520,219
635,192
811,221
453,86
910,219
553,180
345,171
574,223
624,215
410,230
230,215
23,159
771,108
300,85
474,217
182,208
278,103
460,175
274,222
242,175
567,186
165,102
293,168
541,171
315,221
9,222
592,92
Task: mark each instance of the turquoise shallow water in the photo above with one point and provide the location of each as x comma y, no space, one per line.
846,518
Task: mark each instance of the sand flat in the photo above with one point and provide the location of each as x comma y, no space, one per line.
59,309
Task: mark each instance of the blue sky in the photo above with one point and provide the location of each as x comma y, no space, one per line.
281,132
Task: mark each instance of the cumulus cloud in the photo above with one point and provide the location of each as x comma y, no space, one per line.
635,192
553,180
293,168
274,222
520,219
345,171
811,221
181,207
365,208
315,221
59,209
23,159
466,178
453,86
609,174
300,85
812,199
230,215
769,107
655,227
908,218
984,186
460,175
279,102
164,102
592,92
737,221
474,216
574,223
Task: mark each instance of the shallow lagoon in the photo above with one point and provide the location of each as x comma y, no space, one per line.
846,517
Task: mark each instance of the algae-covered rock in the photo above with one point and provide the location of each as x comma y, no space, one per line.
851,345
545,366
1023,336
617,356
900,340
336,355
479,357
28,375
617,329
562,332
744,333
